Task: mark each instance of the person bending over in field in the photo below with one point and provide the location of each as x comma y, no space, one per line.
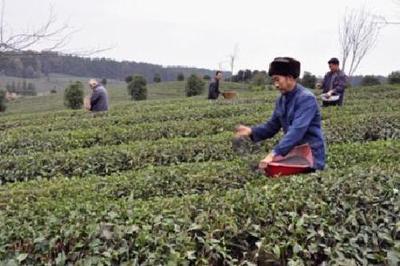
296,112
213,89
98,101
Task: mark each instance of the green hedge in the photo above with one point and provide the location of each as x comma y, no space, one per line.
347,216
337,129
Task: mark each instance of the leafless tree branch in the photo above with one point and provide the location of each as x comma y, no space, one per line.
55,36
385,21
232,59
358,34
51,36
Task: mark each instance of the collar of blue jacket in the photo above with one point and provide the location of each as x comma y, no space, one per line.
291,93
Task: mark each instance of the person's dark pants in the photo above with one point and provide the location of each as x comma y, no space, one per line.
335,103
212,96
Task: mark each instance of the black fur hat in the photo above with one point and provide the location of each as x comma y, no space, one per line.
284,66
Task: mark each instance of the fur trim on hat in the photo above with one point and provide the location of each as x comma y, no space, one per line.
284,66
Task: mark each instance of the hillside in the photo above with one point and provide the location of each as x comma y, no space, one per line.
117,91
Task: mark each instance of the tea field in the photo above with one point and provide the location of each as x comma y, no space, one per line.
159,183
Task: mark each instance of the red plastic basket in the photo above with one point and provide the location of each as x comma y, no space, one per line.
277,170
299,160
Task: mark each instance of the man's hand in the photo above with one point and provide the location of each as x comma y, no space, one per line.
264,163
86,103
242,131
330,93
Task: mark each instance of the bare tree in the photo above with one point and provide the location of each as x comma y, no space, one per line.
391,22
232,59
50,36
358,34
53,35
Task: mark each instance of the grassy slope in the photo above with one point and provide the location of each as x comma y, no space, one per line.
117,91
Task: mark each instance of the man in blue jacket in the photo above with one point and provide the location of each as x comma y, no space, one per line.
98,101
334,83
296,112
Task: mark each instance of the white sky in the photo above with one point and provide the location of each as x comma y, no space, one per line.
204,33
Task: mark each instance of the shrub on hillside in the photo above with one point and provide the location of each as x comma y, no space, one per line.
128,79
394,77
180,77
194,86
3,106
259,79
309,80
206,77
73,95
137,88
370,80
157,78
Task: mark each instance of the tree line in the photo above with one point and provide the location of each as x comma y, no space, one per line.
257,78
21,88
31,64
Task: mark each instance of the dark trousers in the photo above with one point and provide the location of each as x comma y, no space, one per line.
335,103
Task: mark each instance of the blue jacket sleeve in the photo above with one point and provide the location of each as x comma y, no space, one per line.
301,121
325,85
94,98
267,130
340,84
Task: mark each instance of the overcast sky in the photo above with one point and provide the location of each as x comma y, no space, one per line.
204,33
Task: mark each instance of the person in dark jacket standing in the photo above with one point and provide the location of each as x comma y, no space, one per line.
98,101
334,83
296,112
213,88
